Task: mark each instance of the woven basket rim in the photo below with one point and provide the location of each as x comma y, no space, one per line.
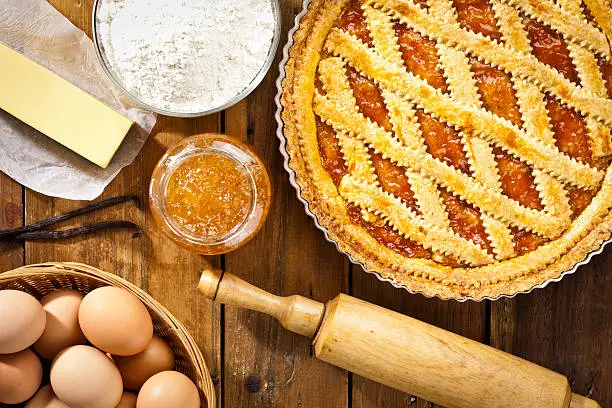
89,272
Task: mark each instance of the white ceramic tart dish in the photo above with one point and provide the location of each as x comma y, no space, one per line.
457,148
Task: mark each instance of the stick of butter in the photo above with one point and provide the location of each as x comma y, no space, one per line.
59,109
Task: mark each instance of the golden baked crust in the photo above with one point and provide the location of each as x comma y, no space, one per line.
484,273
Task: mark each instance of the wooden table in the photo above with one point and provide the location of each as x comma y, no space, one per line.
566,327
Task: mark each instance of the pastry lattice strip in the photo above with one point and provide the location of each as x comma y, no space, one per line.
600,10
533,111
590,77
456,66
403,119
570,23
349,120
408,223
519,64
468,118
361,173
356,134
383,36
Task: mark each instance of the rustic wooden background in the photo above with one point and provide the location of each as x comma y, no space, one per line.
566,327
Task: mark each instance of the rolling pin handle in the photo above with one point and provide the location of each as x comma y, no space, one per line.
209,282
296,313
578,401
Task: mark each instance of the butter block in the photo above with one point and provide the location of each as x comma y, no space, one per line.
59,109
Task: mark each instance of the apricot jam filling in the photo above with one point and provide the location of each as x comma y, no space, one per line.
497,93
465,220
352,21
570,131
331,155
369,99
385,235
550,48
478,16
420,56
209,195
393,180
443,142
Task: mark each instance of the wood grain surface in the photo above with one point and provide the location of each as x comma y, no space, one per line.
256,363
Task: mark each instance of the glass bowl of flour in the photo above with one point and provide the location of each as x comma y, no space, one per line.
186,58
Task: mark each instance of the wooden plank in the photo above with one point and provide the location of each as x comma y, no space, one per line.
565,327
11,216
289,256
168,272
172,272
467,319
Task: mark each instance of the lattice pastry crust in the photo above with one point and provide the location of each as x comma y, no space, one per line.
322,52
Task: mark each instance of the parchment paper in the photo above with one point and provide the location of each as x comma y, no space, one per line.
36,29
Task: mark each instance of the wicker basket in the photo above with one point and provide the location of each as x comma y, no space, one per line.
38,280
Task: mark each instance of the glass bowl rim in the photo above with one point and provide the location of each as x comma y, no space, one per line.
263,71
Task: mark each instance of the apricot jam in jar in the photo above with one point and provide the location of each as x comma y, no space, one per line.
210,193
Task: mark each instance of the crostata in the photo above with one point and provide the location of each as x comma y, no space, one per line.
459,148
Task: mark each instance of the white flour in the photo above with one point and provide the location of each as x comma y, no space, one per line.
186,55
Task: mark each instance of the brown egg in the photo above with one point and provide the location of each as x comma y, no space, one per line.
22,321
45,398
84,377
128,400
115,321
168,389
135,370
20,376
62,329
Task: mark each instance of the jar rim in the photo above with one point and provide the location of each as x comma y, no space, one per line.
180,159
246,161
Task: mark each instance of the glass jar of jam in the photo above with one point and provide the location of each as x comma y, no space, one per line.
210,193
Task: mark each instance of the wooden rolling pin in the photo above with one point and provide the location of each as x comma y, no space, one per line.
402,352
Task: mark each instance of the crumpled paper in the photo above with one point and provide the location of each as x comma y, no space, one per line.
39,31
